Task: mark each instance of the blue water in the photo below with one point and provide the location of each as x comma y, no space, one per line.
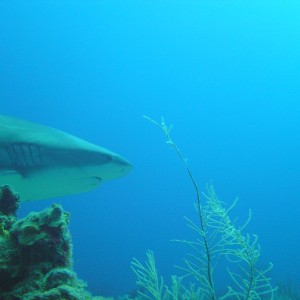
224,73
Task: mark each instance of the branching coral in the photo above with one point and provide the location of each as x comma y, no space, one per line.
219,238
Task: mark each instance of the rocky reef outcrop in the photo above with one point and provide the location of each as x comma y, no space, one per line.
36,254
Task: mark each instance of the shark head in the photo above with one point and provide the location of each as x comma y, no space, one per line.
40,162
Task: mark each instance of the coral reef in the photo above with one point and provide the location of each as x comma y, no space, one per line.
36,254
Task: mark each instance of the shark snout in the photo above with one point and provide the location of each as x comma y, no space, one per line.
122,165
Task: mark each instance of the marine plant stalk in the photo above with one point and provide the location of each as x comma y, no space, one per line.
166,131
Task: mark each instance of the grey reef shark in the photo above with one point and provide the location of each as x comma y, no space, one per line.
40,162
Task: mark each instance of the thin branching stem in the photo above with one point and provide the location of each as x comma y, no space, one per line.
169,141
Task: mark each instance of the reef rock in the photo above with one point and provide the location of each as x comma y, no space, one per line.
36,254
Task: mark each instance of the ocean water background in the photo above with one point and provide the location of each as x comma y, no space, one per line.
224,73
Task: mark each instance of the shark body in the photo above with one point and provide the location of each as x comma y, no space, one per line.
41,162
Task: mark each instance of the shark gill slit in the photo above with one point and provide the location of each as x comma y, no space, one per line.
12,155
24,155
35,155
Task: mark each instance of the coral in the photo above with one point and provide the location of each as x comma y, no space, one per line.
219,238
36,254
44,237
9,202
288,291
147,277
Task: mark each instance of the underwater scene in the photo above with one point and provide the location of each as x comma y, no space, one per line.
149,150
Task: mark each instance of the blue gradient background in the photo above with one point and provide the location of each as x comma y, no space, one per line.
225,73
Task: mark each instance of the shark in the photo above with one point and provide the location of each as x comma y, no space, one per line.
40,162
